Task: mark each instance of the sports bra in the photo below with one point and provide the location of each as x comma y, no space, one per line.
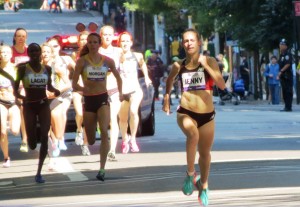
130,66
5,82
194,79
57,81
94,72
17,57
113,54
33,79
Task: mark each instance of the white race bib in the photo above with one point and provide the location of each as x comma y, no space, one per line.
96,73
21,59
37,80
193,81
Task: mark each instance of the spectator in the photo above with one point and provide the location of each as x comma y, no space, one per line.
272,70
286,75
120,21
245,73
105,12
174,47
44,5
70,4
155,65
7,6
223,60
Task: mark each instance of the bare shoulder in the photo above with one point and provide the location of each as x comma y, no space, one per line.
109,61
67,58
211,60
21,66
80,61
118,50
177,64
138,55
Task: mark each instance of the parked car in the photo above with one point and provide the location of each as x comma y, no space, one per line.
146,112
147,109
146,126
67,42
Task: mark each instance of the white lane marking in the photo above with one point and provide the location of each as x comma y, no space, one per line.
62,165
176,196
4,183
256,160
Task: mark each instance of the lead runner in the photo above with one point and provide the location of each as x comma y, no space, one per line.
196,112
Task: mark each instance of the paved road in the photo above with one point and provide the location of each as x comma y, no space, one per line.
42,24
255,158
255,162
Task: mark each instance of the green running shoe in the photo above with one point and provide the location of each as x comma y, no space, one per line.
188,186
203,196
100,175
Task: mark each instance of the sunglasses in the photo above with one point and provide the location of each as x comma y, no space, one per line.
55,46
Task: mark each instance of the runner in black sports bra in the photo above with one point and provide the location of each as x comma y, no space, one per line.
36,80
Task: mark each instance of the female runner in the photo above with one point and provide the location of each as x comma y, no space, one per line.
36,79
130,63
93,68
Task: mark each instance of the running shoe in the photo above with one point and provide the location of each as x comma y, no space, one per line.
79,138
39,179
98,129
125,147
188,186
24,147
51,166
53,149
134,147
101,174
62,145
111,156
203,196
85,150
6,163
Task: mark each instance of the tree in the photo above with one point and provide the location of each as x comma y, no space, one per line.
257,25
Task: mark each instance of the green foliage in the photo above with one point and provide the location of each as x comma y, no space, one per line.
151,7
256,24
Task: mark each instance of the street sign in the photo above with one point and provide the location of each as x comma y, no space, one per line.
297,8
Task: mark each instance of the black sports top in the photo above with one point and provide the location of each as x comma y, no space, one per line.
194,79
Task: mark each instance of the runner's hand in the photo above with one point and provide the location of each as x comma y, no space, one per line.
166,105
56,93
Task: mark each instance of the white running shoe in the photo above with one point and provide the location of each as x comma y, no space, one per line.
111,156
79,138
53,149
6,163
85,150
62,145
134,147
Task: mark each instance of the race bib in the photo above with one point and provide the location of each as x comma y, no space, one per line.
4,82
128,69
37,80
21,59
193,81
96,73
